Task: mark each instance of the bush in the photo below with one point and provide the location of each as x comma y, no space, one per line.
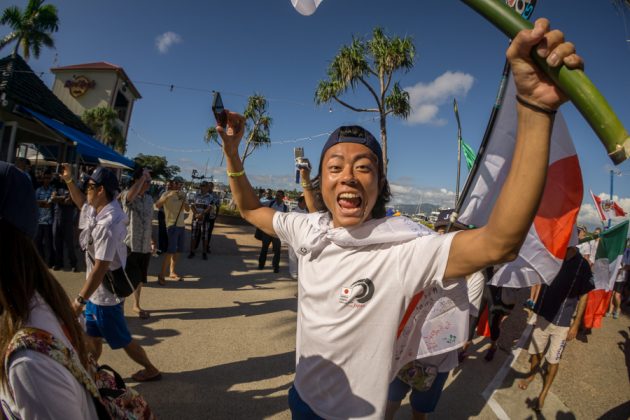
226,210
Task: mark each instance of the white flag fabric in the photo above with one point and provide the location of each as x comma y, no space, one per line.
306,7
554,225
436,321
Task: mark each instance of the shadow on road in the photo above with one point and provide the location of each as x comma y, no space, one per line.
618,413
624,346
214,392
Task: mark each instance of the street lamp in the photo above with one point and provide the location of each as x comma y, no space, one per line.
618,172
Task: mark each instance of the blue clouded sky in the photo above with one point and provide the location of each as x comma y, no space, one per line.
264,46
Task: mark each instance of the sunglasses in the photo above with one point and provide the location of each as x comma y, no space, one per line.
91,186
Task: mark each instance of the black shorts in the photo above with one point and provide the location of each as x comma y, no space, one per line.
138,265
619,286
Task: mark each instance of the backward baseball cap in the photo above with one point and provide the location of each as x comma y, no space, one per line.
106,178
353,134
18,205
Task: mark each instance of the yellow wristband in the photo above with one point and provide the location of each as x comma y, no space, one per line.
306,185
235,174
69,181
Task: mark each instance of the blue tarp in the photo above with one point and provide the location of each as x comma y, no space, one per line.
86,144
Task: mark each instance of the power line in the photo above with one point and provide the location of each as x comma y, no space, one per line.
216,148
172,87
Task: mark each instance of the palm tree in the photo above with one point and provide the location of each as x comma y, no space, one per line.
103,121
378,57
31,29
257,124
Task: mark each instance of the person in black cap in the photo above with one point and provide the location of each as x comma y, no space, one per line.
104,225
30,297
359,269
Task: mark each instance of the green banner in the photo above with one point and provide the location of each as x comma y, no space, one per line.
612,242
469,154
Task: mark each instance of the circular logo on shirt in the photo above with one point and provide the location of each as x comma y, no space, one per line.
367,292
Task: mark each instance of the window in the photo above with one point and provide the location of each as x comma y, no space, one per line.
121,105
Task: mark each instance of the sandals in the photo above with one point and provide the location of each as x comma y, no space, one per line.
142,314
490,354
141,376
161,280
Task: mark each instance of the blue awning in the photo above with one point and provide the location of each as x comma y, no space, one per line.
86,144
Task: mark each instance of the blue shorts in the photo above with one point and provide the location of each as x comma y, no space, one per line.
175,239
107,322
422,402
299,409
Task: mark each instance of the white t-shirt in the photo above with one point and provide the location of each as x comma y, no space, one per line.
43,388
103,237
589,248
475,282
351,298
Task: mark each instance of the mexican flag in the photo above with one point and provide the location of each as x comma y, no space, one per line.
612,243
608,257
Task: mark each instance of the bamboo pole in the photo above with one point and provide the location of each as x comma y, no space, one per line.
574,83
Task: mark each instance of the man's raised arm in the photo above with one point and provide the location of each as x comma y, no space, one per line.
76,194
244,195
538,98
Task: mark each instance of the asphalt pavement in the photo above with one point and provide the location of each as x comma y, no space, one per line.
224,339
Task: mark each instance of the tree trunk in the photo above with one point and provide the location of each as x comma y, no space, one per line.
384,142
17,47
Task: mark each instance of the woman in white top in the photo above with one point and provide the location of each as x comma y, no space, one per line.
33,385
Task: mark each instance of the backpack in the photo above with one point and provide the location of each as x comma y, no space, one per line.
112,398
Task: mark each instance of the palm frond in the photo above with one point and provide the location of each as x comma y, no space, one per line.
397,102
12,17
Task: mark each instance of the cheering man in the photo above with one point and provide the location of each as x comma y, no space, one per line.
359,269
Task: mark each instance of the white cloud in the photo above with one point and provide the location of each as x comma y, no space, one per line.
425,99
165,41
406,194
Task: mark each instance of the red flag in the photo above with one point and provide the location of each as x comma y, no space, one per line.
607,209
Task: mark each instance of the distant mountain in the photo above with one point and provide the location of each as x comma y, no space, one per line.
426,208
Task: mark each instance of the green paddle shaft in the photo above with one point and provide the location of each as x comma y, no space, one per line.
574,83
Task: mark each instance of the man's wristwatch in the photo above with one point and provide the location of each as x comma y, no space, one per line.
81,300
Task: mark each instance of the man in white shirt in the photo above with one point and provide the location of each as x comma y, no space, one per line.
104,227
359,270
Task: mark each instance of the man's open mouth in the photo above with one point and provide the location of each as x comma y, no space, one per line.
349,201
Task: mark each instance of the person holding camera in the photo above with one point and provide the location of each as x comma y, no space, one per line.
138,205
359,269
174,204
104,227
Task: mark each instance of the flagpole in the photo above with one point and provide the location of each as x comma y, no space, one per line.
486,137
459,149
611,196
598,209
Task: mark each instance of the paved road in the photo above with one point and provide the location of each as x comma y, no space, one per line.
225,340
